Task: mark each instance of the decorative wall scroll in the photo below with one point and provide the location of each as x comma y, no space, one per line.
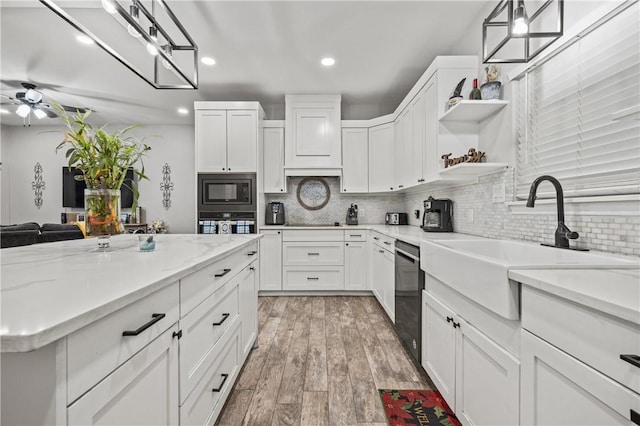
38,185
166,186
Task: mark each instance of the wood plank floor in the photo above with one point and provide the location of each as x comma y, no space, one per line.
320,361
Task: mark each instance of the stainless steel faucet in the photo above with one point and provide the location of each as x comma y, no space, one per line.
562,234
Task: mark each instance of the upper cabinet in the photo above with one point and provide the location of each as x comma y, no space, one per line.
312,134
355,160
381,170
227,136
273,157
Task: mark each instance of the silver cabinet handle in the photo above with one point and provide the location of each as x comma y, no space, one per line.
313,254
313,278
357,235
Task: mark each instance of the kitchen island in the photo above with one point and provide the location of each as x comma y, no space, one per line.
92,335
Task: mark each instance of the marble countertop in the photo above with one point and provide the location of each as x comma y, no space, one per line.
612,291
408,233
50,290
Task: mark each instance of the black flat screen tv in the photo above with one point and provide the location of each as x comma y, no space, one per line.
73,190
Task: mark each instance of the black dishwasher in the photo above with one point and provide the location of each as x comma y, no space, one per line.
408,296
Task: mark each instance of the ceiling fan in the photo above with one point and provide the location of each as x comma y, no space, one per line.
31,101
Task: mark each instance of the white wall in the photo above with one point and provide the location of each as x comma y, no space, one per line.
23,147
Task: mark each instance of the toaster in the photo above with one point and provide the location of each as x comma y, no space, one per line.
396,219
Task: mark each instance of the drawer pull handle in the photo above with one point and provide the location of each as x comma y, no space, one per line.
634,416
449,319
224,272
381,251
251,253
313,254
356,235
631,359
154,319
376,238
456,324
313,278
224,379
224,318
387,243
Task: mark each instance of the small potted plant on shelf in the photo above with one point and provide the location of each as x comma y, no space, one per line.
103,158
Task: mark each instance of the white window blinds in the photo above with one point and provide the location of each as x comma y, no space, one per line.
566,118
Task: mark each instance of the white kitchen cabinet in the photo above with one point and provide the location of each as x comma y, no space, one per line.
355,266
418,122
559,389
471,371
402,146
383,272
355,160
273,160
144,390
430,158
247,282
227,136
271,260
312,132
381,166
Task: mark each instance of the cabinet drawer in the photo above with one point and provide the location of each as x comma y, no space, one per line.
315,253
315,278
593,337
198,286
201,329
383,241
356,235
99,348
312,235
205,403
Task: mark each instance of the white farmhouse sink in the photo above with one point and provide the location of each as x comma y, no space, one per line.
479,268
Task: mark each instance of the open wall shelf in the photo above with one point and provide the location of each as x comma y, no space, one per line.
465,171
473,111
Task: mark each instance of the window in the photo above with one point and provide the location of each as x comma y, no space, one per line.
577,113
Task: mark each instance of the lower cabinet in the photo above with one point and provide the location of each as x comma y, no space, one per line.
383,277
143,390
355,266
248,284
479,379
559,389
271,260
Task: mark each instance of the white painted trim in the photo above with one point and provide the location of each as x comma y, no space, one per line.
614,205
199,105
273,124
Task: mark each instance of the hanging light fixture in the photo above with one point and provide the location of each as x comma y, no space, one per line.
168,43
40,114
23,110
510,35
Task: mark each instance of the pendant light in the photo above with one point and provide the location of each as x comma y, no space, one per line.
135,14
153,33
520,20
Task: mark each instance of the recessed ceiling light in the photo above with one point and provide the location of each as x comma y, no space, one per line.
84,39
208,61
183,111
4,111
327,62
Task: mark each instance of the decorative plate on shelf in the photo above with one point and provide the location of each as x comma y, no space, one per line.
313,193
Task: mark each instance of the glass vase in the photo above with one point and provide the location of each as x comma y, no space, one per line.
102,212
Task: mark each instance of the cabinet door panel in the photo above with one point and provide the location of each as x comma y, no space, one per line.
242,141
431,159
355,160
388,273
211,141
376,277
355,266
313,128
271,260
248,307
439,347
559,389
273,160
381,164
418,137
142,391
486,374
313,253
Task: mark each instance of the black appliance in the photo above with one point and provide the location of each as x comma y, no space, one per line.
227,192
352,215
227,203
396,219
409,283
73,190
438,215
274,214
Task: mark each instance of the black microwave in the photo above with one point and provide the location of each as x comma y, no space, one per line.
227,192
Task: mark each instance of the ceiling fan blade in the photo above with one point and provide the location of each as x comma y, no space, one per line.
74,109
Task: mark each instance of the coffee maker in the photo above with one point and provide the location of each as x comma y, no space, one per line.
352,215
438,215
275,214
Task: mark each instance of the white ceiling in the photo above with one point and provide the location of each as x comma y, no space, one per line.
263,49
